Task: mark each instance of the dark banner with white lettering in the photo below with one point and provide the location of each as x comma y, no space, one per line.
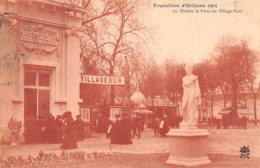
103,80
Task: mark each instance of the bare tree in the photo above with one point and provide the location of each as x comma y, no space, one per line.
173,78
109,42
225,90
254,89
107,7
236,63
152,79
208,79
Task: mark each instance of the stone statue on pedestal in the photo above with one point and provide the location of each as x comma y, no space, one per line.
191,99
186,148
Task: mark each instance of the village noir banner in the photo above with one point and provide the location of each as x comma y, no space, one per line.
105,80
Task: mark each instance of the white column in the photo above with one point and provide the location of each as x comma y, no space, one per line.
6,74
73,64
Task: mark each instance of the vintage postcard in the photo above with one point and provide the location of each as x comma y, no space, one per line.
130,83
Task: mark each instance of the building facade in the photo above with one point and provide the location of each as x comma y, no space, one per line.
40,59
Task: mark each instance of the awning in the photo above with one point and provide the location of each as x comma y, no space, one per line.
245,113
224,112
143,111
160,102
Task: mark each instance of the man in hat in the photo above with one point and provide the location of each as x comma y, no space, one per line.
14,127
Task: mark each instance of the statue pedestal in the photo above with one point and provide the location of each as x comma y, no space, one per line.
188,147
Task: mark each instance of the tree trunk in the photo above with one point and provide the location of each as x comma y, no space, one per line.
177,104
152,97
234,100
212,106
255,116
112,90
225,100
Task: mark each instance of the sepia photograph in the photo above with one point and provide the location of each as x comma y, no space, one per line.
129,83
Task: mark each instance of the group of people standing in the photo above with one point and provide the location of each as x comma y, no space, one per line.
119,130
160,126
123,129
137,126
43,129
73,131
62,129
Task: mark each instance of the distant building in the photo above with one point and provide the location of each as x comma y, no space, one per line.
245,106
162,106
244,103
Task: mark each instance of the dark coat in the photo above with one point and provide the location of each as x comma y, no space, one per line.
115,132
69,140
125,131
79,124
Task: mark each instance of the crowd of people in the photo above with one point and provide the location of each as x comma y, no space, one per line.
119,130
122,129
43,129
161,126
62,129
226,121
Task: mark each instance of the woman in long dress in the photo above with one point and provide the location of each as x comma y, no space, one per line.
69,140
190,100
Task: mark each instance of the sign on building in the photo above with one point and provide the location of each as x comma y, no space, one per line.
104,80
37,35
114,111
85,114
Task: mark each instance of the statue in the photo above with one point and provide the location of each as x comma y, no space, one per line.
191,99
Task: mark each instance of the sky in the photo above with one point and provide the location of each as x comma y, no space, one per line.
190,37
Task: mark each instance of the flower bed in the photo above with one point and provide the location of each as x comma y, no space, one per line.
51,158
